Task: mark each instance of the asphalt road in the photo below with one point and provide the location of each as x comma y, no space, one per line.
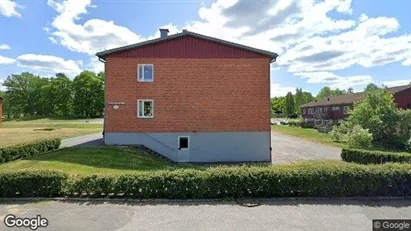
91,140
286,149
270,215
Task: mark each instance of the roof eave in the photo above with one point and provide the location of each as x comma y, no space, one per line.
102,55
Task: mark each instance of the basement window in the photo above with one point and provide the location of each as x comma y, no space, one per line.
145,108
145,73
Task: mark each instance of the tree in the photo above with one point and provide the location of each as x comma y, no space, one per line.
289,106
328,92
88,94
61,91
299,99
377,113
23,93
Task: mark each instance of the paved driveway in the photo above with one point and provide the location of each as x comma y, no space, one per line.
91,140
343,214
286,149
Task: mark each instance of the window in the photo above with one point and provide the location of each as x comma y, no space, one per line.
325,109
310,110
145,73
145,108
319,109
182,142
304,110
336,108
346,109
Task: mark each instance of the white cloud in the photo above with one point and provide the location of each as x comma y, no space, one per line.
308,39
9,8
50,64
334,81
394,83
5,60
93,36
278,90
4,47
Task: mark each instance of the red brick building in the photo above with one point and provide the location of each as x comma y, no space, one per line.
337,107
189,97
1,110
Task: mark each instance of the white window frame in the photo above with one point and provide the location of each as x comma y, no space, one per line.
325,109
310,111
188,142
336,108
346,109
304,111
142,67
319,109
138,108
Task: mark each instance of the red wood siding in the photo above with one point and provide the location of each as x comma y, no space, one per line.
187,47
402,99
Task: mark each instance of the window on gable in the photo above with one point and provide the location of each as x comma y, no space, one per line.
145,73
145,108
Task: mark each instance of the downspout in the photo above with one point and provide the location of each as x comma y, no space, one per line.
272,60
104,109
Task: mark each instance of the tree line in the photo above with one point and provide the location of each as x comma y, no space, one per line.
27,94
289,105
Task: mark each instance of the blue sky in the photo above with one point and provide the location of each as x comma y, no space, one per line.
336,43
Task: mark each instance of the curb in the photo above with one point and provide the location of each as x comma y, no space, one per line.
226,201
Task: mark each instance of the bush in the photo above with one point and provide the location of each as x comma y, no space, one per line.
360,138
31,184
320,180
295,123
16,152
373,157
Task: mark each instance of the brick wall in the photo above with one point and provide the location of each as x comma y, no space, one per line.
203,95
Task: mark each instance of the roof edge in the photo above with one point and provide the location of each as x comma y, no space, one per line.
102,54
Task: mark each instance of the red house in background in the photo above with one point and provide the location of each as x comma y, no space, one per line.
337,107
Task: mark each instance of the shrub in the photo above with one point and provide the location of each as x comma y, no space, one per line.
16,152
360,138
408,145
295,123
31,184
320,180
373,157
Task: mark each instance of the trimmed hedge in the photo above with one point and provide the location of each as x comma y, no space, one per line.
30,149
373,157
343,180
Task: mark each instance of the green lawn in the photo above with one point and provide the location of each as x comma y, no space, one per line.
25,130
113,161
93,160
308,134
53,123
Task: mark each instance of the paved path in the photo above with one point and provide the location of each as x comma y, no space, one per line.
289,149
91,140
271,215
